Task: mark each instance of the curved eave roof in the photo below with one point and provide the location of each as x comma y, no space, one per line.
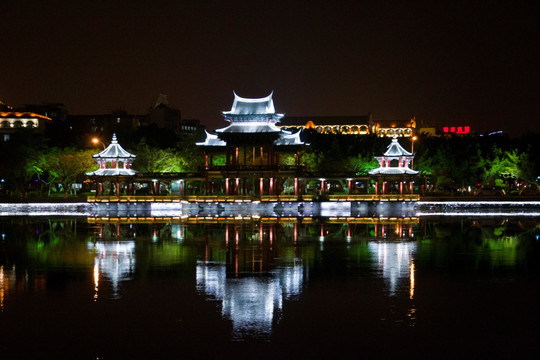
113,172
393,171
114,151
395,149
211,140
249,128
288,139
245,106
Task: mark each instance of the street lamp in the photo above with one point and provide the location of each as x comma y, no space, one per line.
413,139
97,141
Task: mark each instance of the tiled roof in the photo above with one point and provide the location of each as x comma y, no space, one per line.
211,140
244,106
289,139
249,127
395,149
114,151
112,172
393,171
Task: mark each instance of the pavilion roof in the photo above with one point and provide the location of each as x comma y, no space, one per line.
211,140
113,172
245,106
289,139
393,171
114,151
395,149
250,128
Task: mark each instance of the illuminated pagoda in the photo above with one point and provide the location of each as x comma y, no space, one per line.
252,144
394,168
114,167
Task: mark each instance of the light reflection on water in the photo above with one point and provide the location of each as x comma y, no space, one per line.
256,271
250,302
115,261
394,261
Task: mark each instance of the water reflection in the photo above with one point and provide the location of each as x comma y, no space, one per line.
394,260
115,261
252,268
251,303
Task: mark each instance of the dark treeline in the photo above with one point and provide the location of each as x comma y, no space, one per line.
53,162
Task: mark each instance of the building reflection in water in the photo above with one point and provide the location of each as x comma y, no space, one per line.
248,285
114,261
394,250
250,302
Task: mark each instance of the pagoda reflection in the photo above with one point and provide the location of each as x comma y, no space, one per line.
114,262
393,248
254,278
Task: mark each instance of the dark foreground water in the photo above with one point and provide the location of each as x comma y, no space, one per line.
446,287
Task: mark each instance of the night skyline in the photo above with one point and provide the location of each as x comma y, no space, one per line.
462,63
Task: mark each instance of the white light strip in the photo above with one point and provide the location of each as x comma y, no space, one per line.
478,203
46,209
478,214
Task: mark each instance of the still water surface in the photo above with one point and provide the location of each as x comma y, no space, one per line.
423,287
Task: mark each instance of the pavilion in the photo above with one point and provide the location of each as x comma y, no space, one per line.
252,145
114,167
394,169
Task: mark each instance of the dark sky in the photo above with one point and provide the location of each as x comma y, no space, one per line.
447,62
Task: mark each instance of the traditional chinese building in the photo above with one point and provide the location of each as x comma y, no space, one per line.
394,172
114,168
252,146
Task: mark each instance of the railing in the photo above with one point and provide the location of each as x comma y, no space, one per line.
249,198
373,197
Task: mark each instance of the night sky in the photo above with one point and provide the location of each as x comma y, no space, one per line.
451,62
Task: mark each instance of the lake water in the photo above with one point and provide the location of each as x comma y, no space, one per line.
435,286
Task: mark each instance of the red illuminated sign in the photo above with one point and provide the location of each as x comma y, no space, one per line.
456,129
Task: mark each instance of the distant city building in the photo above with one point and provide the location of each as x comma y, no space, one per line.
163,115
354,125
11,121
55,111
350,125
391,128
104,124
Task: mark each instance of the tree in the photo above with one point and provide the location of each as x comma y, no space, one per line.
68,166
